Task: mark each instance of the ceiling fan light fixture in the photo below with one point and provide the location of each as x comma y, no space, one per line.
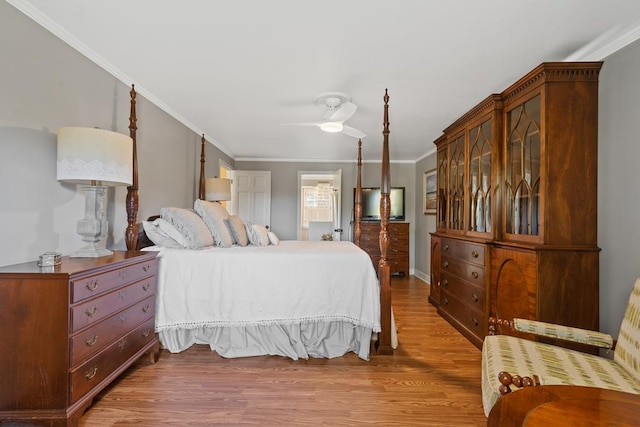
331,127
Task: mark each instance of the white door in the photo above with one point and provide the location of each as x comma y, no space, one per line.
252,196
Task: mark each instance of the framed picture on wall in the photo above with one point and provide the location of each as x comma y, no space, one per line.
430,190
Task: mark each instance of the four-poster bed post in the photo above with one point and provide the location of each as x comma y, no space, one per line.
201,186
131,234
358,198
384,269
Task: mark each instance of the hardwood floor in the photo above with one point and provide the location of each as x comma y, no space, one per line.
433,379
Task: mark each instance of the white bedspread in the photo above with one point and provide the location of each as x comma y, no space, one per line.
293,283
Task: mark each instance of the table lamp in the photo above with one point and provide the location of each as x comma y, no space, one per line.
96,158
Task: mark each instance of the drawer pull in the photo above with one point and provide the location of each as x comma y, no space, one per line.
145,308
91,311
445,283
122,343
446,247
474,274
122,273
445,264
474,297
123,293
146,267
91,341
146,286
91,372
445,301
92,285
146,332
474,254
394,250
122,316
475,321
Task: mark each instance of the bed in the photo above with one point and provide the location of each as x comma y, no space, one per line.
295,299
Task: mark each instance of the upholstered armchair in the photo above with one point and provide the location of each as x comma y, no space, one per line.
505,356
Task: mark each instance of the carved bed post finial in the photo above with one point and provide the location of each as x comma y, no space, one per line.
131,234
357,232
201,186
384,268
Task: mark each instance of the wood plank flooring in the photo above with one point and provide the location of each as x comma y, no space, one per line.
433,379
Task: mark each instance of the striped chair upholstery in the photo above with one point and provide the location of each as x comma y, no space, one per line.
558,365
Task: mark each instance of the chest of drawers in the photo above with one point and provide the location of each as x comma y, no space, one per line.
68,331
398,255
463,285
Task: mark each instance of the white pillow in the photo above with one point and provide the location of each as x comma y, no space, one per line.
163,234
258,234
190,226
236,228
214,214
273,239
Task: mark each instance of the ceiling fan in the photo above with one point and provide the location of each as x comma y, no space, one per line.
338,109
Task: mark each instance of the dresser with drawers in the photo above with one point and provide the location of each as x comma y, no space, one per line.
463,285
398,255
69,330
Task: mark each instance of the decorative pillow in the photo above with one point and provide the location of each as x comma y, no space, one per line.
258,234
191,227
163,234
237,230
273,239
214,214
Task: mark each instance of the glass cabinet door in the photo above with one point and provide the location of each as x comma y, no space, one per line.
479,190
442,188
522,180
456,184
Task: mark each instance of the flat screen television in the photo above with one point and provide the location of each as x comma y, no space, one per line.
371,203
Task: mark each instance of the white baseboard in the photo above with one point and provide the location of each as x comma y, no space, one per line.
422,276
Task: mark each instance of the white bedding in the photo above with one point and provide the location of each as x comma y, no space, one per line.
322,298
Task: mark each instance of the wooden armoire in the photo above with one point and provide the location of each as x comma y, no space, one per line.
516,232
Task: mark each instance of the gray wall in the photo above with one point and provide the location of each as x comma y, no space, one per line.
424,224
618,183
45,85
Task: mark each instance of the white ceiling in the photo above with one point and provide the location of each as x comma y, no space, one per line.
237,70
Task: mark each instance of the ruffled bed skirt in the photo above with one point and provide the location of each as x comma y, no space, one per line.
322,339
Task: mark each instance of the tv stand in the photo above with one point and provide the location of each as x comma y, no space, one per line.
398,255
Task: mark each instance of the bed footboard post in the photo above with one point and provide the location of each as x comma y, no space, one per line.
131,233
384,269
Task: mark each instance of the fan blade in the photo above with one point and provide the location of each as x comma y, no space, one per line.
302,124
348,130
343,113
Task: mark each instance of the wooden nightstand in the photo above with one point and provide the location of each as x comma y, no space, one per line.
67,331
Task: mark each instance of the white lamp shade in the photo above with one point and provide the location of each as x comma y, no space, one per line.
89,154
217,189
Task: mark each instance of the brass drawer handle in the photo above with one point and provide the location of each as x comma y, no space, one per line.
474,274
91,341
122,343
445,301
122,316
146,267
146,332
91,372
91,311
394,250
445,282
445,264
446,247
123,294
145,308
146,286
474,297
474,254
122,273
475,321
92,285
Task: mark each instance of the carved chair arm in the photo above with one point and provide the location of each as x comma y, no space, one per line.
506,380
550,330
